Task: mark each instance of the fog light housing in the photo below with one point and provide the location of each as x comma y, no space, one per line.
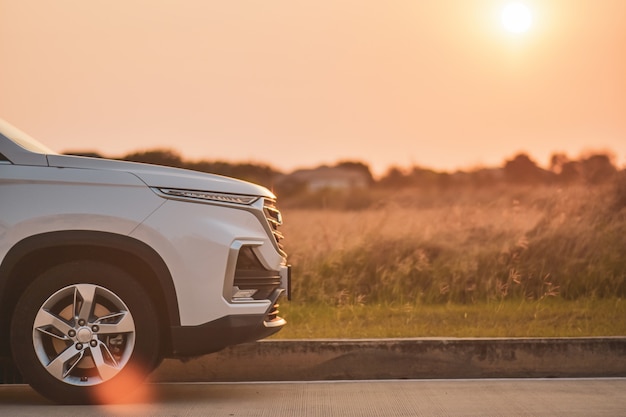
243,295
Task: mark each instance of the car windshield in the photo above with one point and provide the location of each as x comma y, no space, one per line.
22,139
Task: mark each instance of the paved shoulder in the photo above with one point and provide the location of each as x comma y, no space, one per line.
547,397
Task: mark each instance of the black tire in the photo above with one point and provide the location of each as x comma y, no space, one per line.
74,351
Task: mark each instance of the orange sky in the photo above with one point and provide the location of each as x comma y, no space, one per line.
294,84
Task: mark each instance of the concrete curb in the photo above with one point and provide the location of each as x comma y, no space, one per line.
290,360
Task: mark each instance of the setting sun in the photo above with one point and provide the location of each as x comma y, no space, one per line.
516,17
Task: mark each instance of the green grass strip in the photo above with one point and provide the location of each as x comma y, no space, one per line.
552,317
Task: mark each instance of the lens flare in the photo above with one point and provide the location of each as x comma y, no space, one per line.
126,388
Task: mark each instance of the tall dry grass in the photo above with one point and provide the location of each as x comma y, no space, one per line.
462,246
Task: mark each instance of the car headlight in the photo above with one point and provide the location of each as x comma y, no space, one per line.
206,196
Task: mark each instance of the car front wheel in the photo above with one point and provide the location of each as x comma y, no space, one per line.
82,331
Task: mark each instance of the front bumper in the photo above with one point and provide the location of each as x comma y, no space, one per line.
227,331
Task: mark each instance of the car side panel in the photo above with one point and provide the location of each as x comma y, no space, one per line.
36,200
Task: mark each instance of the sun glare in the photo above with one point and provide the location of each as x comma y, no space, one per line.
516,17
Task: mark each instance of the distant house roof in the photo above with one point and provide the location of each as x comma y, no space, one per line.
331,177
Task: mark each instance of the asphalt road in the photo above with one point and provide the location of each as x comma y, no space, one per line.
485,397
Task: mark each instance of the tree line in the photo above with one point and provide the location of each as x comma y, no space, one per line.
596,168
592,169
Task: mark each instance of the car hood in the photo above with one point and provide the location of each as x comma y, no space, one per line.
163,177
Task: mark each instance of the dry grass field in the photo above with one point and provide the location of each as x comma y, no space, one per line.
491,261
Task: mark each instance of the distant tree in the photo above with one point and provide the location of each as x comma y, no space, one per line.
165,157
557,160
289,186
485,177
598,168
394,178
424,177
260,174
570,172
522,170
357,166
90,154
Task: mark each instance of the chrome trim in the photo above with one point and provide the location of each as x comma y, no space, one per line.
277,322
231,266
196,196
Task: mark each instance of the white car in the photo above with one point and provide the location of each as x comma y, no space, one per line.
107,267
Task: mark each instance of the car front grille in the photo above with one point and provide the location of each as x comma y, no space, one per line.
274,219
265,282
